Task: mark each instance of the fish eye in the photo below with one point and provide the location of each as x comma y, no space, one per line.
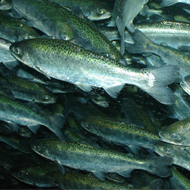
167,150
46,97
100,11
17,51
30,37
64,37
175,136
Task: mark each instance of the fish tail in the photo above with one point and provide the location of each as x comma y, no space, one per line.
166,3
141,43
159,166
158,81
56,125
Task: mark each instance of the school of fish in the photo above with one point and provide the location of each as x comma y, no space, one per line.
95,94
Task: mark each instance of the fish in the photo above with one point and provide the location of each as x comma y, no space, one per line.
185,84
68,62
5,55
29,91
98,160
125,11
16,112
39,15
119,132
169,55
178,180
66,26
180,154
13,30
74,180
177,133
35,175
93,10
166,3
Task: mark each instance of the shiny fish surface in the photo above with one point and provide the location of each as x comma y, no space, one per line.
47,57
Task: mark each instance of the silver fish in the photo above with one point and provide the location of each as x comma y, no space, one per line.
68,62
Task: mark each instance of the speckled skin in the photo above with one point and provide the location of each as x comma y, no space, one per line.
85,157
119,132
16,112
60,23
68,62
73,180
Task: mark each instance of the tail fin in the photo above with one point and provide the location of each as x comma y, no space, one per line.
56,125
141,43
166,3
158,87
159,166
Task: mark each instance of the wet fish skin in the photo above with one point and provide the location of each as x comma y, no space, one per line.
66,25
30,91
93,10
166,3
169,55
185,84
180,154
125,11
73,180
35,175
16,112
97,160
177,133
119,132
41,16
178,180
13,30
47,55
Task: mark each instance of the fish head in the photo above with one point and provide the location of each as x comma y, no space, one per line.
22,52
164,149
178,133
87,124
64,31
97,12
26,33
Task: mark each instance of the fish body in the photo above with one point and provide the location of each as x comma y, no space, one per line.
29,91
73,180
166,3
16,112
169,55
93,10
180,154
35,175
13,30
177,133
61,23
174,34
119,132
125,11
97,160
178,180
71,63
39,15
185,84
